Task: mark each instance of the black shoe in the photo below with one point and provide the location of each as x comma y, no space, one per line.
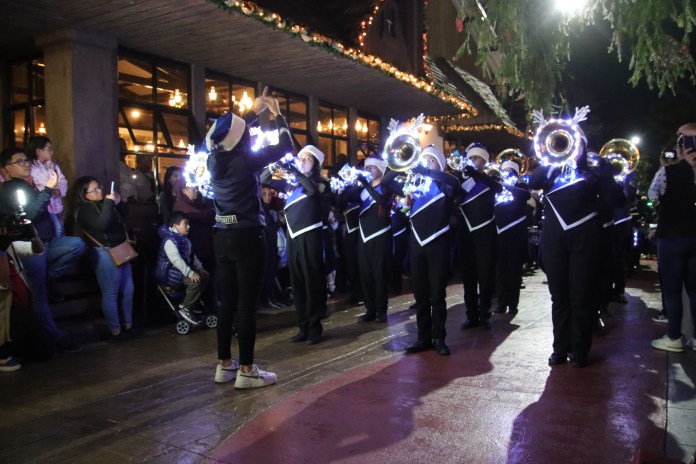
499,309
366,317
381,318
469,324
523,286
116,338
578,363
313,339
440,347
278,304
513,311
299,337
555,359
419,346
486,324
267,305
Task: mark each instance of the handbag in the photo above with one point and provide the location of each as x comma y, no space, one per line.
121,253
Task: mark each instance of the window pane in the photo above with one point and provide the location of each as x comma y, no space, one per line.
39,117
301,140
135,80
18,128
340,122
38,81
130,161
178,130
341,149
217,97
373,131
325,123
242,98
20,83
172,85
297,113
141,122
326,146
361,128
163,162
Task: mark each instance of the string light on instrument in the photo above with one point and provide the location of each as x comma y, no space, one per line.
196,172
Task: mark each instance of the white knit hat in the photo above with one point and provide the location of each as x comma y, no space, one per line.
314,151
511,165
378,163
430,150
476,149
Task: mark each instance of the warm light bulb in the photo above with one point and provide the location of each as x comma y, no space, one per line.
181,143
345,125
365,129
177,96
213,94
318,126
357,125
136,113
172,101
42,129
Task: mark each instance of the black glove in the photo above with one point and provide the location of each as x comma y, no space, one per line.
470,171
420,169
363,180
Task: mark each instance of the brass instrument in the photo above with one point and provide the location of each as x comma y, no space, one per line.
401,151
558,142
456,162
516,156
623,156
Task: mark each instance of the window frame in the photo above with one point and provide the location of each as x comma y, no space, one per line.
29,107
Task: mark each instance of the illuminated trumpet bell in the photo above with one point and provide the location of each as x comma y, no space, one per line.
401,151
558,142
622,154
516,156
456,162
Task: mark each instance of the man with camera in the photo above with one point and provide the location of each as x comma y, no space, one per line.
675,189
18,194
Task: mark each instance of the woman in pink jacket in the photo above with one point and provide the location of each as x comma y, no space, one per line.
39,150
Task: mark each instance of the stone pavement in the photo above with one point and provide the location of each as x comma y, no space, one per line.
357,398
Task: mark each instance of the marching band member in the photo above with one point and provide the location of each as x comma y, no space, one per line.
572,234
351,241
239,241
430,250
622,235
400,235
376,197
511,223
477,238
304,215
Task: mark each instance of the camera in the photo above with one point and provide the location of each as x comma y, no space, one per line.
14,227
670,155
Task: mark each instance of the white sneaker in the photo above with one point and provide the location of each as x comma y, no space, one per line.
186,315
667,344
662,319
226,374
255,378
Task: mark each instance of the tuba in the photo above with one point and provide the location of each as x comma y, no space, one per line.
622,155
514,155
401,151
558,142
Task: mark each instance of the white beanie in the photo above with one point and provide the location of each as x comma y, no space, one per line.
314,151
378,163
225,133
476,149
430,150
511,165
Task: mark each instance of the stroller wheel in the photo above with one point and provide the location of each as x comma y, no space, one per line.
211,321
183,327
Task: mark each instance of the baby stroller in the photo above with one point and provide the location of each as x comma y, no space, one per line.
173,297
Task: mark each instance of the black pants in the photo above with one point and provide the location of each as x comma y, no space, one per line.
375,256
623,240
429,275
308,276
30,342
604,269
351,243
477,263
399,256
571,259
271,266
512,254
240,255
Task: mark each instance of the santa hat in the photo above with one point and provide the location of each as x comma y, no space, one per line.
510,165
430,150
376,162
476,149
314,151
225,133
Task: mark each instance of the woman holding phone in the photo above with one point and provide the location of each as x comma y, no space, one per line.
103,227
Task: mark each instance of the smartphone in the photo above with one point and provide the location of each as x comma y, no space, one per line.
112,187
689,143
670,155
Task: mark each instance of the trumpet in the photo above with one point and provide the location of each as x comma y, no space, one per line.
457,162
347,175
281,169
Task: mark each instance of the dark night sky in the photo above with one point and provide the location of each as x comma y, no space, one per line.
596,78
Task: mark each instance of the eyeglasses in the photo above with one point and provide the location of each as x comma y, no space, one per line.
98,189
21,162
